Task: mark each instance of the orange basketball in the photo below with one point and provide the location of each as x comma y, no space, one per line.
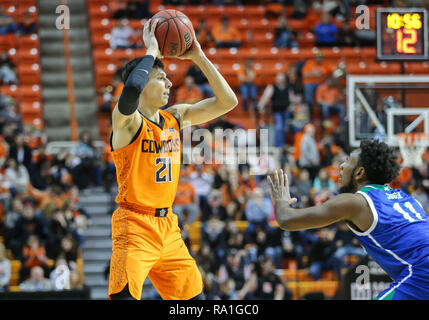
174,32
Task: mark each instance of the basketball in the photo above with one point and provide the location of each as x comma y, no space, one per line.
174,32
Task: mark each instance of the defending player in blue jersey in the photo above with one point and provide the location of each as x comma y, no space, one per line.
391,225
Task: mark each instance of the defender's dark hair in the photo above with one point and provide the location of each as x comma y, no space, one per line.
129,67
379,160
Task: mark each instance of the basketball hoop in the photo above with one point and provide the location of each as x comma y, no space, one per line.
412,145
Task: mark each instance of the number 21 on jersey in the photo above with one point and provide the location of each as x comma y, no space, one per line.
164,173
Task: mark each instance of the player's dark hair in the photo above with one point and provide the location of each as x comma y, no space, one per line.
379,160
129,67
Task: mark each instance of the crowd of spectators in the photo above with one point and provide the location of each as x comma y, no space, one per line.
41,220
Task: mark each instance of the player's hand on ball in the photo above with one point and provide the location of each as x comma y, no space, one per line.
193,52
150,40
279,185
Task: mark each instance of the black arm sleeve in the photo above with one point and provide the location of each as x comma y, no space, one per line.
129,99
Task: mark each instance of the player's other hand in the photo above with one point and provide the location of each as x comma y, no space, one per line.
193,52
279,186
149,39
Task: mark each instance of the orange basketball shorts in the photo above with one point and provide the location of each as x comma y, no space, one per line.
146,245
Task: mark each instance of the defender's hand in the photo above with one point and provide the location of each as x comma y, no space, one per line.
280,188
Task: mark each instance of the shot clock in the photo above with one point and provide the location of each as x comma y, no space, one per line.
402,34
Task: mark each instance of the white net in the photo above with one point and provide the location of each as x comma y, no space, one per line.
412,147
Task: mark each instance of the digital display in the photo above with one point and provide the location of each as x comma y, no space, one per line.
402,34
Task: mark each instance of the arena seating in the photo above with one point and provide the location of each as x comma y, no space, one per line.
24,53
268,59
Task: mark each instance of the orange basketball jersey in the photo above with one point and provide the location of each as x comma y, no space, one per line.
148,169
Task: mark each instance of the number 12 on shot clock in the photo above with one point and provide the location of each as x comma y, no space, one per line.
402,34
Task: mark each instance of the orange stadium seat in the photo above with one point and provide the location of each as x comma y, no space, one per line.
417,67
358,68
103,56
98,10
30,108
384,68
27,42
100,40
104,73
28,73
11,91
29,93
8,41
28,55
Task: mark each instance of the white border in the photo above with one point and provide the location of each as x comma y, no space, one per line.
374,214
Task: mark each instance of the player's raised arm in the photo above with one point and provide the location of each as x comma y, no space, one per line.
125,112
341,207
205,110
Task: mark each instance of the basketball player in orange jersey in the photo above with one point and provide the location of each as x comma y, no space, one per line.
146,151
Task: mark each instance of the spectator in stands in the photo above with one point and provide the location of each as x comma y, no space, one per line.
323,182
321,254
120,35
346,245
303,184
422,196
200,80
278,93
258,211
37,281
202,182
27,25
77,280
326,32
347,35
17,176
248,88
227,291
186,202
60,275
236,267
33,254
11,217
5,269
283,35
309,154
314,72
6,23
205,259
338,9
188,92
212,234
214,207
329,97
7,70
68,249
265,284
26,225
225,35
300,9
22,153
204,34
294,83
85,154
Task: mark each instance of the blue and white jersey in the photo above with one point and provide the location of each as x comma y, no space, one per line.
398,239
